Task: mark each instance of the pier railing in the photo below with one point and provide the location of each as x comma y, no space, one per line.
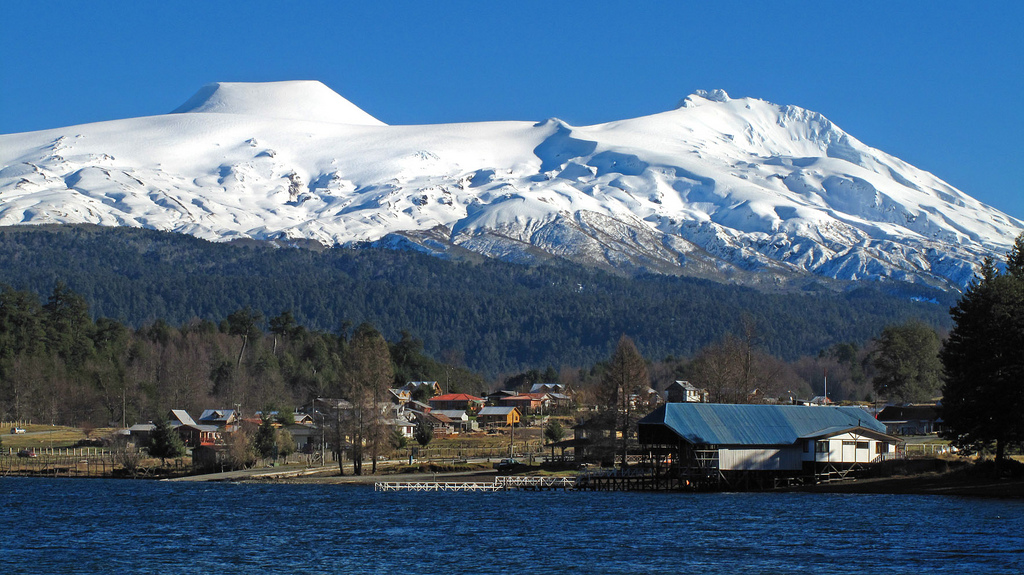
500,483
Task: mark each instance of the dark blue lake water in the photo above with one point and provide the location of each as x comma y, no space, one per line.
111,526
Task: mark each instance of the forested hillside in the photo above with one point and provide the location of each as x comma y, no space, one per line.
494,316
58,365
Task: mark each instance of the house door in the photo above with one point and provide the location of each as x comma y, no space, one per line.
849,451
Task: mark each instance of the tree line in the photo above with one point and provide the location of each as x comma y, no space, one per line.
59,365
495,317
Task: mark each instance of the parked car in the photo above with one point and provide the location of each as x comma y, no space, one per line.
17,431
507,464
27,453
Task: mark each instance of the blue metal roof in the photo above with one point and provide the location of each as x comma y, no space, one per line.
217,415
495,411
727,424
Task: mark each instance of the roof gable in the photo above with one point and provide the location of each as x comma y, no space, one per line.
452,414
455,397
225,415
727,424
181,416
681,385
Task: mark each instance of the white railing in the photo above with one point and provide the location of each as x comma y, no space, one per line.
520,482
888,456
500,483
922,449
435,486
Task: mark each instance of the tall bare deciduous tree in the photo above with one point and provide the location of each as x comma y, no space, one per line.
370,374
736,370
622,394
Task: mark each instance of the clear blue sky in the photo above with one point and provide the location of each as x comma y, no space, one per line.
938,84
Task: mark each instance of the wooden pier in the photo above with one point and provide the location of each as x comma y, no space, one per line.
500,483
634,479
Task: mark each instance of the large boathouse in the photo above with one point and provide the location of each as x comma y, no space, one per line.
714,446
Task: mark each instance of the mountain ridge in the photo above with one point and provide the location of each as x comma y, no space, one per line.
720,187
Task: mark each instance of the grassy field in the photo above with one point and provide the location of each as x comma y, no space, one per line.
39,436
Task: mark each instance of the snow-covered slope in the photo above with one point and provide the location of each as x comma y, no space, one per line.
300,100
719,187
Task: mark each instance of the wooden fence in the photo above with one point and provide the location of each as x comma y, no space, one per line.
65,464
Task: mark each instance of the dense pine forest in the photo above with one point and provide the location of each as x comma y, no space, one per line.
491,316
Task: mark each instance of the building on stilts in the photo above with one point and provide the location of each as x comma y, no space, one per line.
707,447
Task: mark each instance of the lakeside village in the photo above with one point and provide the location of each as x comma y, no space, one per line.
673,440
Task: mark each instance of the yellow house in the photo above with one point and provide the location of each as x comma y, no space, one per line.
498,416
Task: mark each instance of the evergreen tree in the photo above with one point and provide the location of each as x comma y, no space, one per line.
265,440
398,440
424,432
1015,259
983,397
21,323
244,322
68,325
283,326
907,360
165,442
553,431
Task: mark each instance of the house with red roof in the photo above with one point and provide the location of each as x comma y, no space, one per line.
451,401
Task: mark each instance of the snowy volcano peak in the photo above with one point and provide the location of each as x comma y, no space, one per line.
305,100
735,189
761,128
717,95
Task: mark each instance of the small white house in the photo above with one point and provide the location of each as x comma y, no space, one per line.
459,418
685,392
405,427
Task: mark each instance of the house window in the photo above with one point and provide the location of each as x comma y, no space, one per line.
881,447
807,446
862,445
821,447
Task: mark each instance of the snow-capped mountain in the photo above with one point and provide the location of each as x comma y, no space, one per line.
719,187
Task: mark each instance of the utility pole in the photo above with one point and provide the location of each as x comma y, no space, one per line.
512,438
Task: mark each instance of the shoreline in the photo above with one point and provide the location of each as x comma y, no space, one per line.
949,484
957,482
953,483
